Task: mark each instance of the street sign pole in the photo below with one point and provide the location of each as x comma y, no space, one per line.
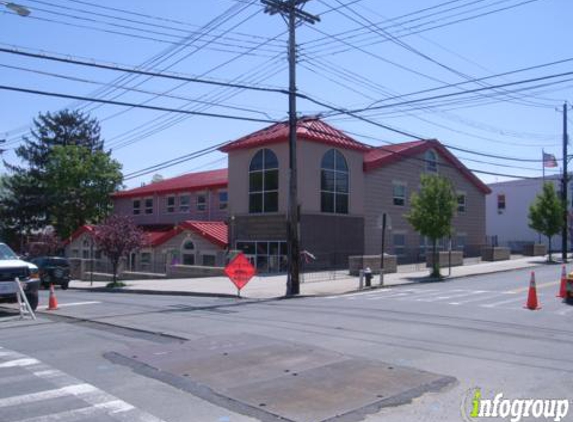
383,247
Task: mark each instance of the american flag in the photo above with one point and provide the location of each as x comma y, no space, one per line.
549,160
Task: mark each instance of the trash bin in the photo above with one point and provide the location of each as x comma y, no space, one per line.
368,276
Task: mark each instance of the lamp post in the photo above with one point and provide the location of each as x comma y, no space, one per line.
19,9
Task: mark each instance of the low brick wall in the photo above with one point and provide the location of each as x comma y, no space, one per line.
535,249
457,259
133,275
359,262
187,271
496,253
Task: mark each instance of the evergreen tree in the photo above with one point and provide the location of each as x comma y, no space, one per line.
30,200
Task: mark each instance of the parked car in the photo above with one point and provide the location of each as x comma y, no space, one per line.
11,267
53,270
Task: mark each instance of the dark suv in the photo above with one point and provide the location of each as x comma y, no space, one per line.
53,270
11,267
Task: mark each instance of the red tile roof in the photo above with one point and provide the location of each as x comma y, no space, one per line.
157,235
214,231
186,182
86,228
308,128
381,156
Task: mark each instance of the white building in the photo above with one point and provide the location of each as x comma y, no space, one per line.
507,209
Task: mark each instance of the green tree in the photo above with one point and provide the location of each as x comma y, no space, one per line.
546,213
28,203
432,210
35,199
81,182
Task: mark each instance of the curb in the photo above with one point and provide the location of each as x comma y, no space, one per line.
156,292
282,297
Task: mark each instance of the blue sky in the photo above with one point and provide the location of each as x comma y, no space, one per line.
410,46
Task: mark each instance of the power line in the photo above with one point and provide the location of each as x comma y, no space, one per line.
139,72
125,104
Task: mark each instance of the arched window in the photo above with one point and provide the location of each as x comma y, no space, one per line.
431,159
264,182
334,183
188,252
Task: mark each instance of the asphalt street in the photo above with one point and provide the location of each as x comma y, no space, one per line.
474,330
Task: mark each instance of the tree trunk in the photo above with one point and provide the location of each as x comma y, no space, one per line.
549,248
436,263
114,265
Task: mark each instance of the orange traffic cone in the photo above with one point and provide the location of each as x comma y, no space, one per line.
532,295
563,288
53,302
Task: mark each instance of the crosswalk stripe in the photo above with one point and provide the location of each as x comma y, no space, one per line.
503,302
19,362
73,415
70,390
489,295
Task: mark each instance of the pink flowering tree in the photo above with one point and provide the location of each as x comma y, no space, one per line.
117,237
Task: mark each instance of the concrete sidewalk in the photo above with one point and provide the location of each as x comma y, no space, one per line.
323,284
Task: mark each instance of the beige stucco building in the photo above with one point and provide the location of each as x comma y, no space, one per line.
344,187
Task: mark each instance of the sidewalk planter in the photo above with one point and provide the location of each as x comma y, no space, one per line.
359,262
457,259
535,249
193,271
496,253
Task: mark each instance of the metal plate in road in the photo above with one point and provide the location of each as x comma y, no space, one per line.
285,379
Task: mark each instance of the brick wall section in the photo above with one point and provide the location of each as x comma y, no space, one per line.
379,199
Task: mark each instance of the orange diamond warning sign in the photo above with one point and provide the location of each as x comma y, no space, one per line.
240,271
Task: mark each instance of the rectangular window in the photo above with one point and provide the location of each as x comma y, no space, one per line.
208,260
136,207
184,201
145,258
399,240
223,199
460,242
500,203
399,190
201,202
148,205
461,202
170,204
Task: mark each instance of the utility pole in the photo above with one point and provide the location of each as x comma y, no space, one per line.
564,231
291,11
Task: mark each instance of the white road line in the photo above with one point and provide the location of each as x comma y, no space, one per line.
477,299
503,302
370,292
71,390
435,297
62,305
76,414
19,362
65,385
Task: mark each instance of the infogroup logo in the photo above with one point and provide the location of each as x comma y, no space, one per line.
475,407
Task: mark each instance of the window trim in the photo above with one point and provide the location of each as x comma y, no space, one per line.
395,184
170,209
335,193
181,205
146,208
201,206
465,203
431,163
223,205
500,210
403,247
264,171
136,210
